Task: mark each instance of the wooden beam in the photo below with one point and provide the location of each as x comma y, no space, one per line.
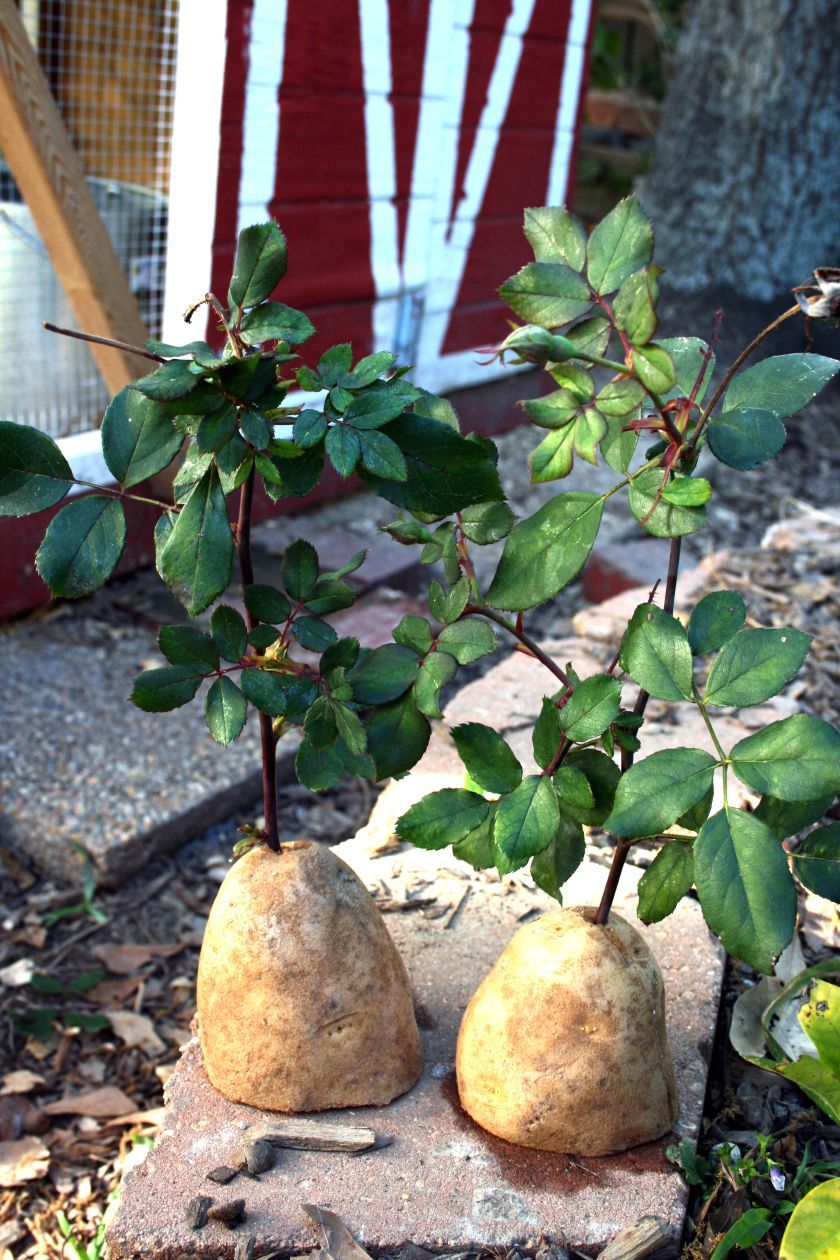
49,175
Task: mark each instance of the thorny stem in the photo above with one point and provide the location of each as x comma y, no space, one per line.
103,341
526,641
269,745
742,358
623,846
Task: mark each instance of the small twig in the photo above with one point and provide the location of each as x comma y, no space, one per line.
103,341
526,641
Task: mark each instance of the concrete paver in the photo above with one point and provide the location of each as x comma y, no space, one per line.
442,1183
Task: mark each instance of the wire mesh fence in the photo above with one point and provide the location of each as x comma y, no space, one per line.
110,65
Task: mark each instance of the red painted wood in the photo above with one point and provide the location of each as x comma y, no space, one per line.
329,239
485,37
408,28
238,36
519,170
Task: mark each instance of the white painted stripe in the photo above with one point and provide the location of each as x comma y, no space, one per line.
567,109
451,254
261,124
196,130
380,147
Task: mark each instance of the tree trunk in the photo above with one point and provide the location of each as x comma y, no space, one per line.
744,188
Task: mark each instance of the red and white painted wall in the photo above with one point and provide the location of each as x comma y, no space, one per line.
397,143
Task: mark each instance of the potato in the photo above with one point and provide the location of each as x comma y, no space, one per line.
303,1001
563,1045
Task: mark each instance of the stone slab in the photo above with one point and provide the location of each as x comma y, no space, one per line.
442,1183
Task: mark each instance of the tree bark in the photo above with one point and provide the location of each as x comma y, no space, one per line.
745,182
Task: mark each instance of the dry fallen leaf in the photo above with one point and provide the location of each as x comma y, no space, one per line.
154,1116
20,1082
102,1103
136,1030
24,1160
18,973
114,993
336,1240
123,959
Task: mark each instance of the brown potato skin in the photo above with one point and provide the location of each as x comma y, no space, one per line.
563,1045
303,1001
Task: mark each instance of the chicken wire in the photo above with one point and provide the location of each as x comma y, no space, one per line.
110,65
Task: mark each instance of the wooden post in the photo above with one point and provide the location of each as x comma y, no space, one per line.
49,175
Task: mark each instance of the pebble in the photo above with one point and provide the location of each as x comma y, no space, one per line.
221,1175
259,1156
198,1211
228,1213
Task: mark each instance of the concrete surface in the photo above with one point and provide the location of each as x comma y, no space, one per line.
442,1183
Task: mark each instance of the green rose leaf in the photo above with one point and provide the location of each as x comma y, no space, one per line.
788,818
299,569
693,819
217,430
329,596
319,725
230,634
688,355
755,665
274,321
526,820
185,645
817,862
666,881
266,603
398,734
437,669
351,729
715,620
490,761
384,673
745,888
654,367
138,437
309,428
444,471
447,606
170,383
487,522
745,437
382,456
266,689
343,449
318,768
313,633
655,652
414,632
635,305
369,369
82,546
573,792
591,708
687,491
340,655
478,848
33,472
590,336
549,294
262,637
196,561
619,245
374,408
559,861
225,710
603,776
654,793
665,520
783,384
546,551
468,640
256,428
159,690
547,733
555,236
797,759
443,818
259,266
